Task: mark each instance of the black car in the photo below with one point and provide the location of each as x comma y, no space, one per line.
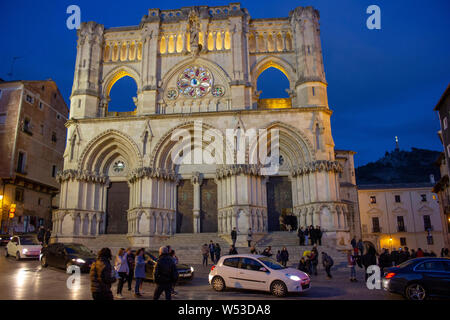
4,239
64,255
185,272
419,278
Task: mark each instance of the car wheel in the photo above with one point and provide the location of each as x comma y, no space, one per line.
17,255
415,291
278,288
44,262
218,283
6,253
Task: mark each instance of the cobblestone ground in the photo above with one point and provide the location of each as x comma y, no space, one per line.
27,280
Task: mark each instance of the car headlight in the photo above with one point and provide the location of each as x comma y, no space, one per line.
24,251
79,260
192,269
293,277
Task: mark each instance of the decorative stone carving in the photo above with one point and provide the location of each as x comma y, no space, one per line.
316,166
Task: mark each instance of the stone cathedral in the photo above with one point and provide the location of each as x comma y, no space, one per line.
198,66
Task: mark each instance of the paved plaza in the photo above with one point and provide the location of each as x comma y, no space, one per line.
23,280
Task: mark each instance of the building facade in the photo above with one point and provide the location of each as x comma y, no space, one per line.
399,215
442,186
32,135
196,70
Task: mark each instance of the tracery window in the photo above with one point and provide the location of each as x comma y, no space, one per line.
195,82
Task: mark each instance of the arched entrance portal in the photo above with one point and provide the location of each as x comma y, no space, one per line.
279,202
118,200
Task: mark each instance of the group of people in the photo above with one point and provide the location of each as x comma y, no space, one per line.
44,236
212,250
310,260
309,236
128,265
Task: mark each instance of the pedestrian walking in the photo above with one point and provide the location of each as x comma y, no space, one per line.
41,235
360,246
369,259
175,260
234,236
351,264
279,256
249,237
314,260
131,265
395,256
419,253
101,276
413,254
301,236
121,266
312,235
211,250
253,250
319,235
327,262
232,250
353,243
166,274
205,253
306,234
47,236
385,260
284,256
139,271
217,250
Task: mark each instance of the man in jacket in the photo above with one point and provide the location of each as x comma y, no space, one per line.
165,274
233,236
385,260
327,262
319,235
301,236
41,235
47,236
101,276
211,248
369,259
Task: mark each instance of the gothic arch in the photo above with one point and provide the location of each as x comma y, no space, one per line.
274,62
115,75
292,142
101,150
161,154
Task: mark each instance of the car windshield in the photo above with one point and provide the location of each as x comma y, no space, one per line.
29,241
406,263
78,249
272,264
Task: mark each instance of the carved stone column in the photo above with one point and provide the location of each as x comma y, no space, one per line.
316,216
196,180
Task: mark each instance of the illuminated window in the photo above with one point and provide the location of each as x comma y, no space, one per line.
373,199
195,82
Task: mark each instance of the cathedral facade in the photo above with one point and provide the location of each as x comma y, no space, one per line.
196,68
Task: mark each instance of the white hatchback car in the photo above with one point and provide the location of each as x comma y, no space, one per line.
256,272
23,247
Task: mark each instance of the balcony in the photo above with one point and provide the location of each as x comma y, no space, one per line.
401,229
376,229
428,228
275,103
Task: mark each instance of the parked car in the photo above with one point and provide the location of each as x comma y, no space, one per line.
65,255
257,272
4,239
185,272
25,246
419,279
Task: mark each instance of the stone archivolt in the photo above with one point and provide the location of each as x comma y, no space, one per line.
81,175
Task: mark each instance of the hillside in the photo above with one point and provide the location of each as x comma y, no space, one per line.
400,166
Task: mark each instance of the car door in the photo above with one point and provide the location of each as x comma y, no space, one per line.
48,252
252,274
228,271
446,280
13,246
435,276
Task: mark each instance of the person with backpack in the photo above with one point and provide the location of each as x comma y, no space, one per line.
351,264
327,262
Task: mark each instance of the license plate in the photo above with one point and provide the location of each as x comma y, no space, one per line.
185,275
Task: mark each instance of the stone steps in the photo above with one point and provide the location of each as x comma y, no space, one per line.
188,246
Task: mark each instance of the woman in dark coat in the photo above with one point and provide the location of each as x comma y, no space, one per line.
101,276
284,256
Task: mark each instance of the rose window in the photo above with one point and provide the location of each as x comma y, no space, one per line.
195,82
119,166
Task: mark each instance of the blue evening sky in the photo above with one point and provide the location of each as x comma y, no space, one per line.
381,83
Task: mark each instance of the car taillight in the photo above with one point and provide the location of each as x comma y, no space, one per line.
390,275
212,268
